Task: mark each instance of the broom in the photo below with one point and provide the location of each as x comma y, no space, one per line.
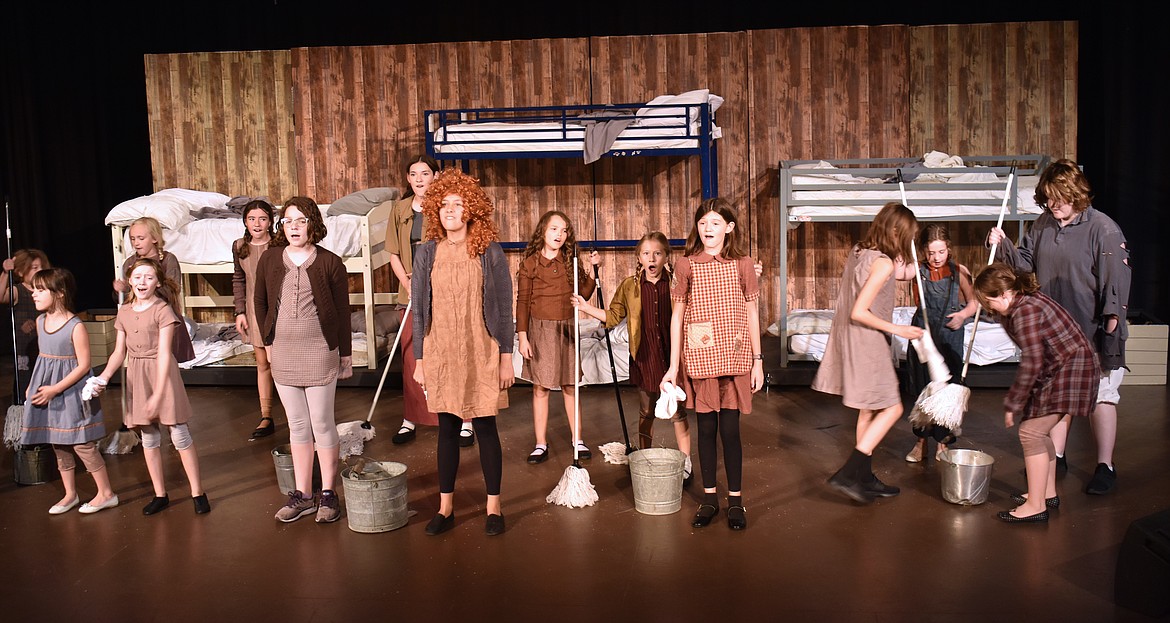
947,406
353,435
123,440
14,419
574,490
613,451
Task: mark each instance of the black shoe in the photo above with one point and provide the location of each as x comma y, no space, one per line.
404,435
704,515
466,438
494,525
202,506
583,451
1061,466
736,517
1103,480
156,505
852,489
263,431
1052,502
440,524
539,455
1008,517
880,489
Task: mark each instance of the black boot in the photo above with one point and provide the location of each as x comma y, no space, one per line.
848,481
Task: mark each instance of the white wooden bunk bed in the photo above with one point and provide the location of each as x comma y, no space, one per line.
203,247
966,189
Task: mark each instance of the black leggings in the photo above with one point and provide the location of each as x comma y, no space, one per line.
491,457
725,424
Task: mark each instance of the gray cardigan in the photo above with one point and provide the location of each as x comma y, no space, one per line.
497,295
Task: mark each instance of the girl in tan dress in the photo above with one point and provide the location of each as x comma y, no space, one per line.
462,293
857,364
715,337
246,252
155,396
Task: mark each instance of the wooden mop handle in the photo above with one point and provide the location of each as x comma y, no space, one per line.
405,318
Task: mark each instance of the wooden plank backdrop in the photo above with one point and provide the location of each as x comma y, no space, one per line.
835,92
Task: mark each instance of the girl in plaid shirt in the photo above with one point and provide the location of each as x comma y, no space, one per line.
715,336
1057,376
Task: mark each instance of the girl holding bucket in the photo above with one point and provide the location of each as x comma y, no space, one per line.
857,365
715,334
461,290
544,323
643,299
1057,376
58,411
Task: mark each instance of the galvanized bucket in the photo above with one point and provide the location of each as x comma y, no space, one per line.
657,478
34,464
375,498
283,462
966,476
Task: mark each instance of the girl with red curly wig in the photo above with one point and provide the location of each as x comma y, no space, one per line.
461,293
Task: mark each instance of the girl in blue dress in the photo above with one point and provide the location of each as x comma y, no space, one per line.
55,411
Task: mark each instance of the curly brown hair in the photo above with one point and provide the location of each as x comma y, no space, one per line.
308,207
568,249
1061,182
477,210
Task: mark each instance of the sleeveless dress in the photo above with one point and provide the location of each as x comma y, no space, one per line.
858,365
67,420
461,359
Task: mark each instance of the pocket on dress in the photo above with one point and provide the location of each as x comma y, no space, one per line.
700,335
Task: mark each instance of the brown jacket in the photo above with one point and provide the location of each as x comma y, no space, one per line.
330,293
543,287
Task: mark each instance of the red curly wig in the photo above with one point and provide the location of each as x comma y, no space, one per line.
477,210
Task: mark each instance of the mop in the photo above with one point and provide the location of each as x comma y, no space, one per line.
353,435
613,451
927,352
947,406
574,490
15,417
123,440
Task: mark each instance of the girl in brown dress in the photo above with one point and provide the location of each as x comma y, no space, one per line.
147,326
246,252
857,364
462,293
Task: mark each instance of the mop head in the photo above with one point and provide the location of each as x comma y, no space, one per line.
121,441
352,438
12,425
574,490
947,406
667,404
918,417
615,453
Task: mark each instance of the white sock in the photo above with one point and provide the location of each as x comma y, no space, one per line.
466,427
407,424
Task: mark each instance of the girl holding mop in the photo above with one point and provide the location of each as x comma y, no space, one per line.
1057,377
58,411
246,252
147,325
715,336
544,323
950,303
461,293
22,266
857,365
643,299
302,306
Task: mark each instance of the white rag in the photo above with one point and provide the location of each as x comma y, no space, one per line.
668,400
90,391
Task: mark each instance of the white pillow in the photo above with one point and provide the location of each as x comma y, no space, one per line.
171,207
673,116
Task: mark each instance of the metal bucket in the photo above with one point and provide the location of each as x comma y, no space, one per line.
966,476
283,462
375,501
657,477
34,464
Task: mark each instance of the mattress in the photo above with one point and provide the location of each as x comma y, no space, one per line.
924,203
554,136
209,241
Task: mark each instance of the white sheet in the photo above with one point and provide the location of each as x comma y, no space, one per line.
552,138
992,344
209,241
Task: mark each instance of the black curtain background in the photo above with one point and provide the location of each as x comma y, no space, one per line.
73,102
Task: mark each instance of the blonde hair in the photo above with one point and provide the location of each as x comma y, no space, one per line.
154,228
661,239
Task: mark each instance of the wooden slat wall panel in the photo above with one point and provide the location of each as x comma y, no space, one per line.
819,93
222,121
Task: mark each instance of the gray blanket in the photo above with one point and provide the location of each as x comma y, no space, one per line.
601,130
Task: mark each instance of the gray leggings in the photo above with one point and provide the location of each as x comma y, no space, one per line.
152,436
310,414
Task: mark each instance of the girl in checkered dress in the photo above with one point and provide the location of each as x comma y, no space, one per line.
857,365
715,337
1058,375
